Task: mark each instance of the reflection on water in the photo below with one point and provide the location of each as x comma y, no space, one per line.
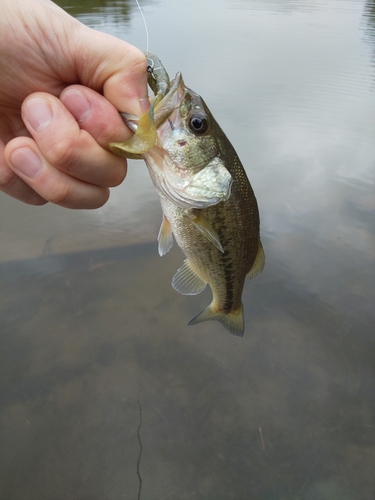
97,11
88,318
369,21
79,343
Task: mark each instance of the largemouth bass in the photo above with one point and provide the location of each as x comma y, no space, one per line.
208,203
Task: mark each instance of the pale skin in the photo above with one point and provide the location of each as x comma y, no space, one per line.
61,86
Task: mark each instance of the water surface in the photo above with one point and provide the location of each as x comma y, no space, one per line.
89,323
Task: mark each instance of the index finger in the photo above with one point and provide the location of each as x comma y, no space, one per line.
95,114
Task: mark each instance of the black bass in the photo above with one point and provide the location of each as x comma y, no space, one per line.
207,201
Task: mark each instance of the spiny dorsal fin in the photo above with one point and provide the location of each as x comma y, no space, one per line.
187,281
258,265
202,224
165,237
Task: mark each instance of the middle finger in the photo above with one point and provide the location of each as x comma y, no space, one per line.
66,146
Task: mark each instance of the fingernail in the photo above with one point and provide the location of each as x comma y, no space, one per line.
26,162
77,104
37,114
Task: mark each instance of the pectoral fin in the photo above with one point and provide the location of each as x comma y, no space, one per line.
258,265
165,237
144,138
187,281
202,224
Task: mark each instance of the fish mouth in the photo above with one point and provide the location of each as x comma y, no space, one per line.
171,101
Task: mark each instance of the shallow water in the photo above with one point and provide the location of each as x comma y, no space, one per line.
89,323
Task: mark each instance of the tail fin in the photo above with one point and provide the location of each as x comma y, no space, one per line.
232,321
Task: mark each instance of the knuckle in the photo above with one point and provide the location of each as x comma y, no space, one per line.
138,58
106,133
66,154
79,158
6,177
59,194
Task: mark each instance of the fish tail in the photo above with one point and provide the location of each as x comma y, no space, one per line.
233,321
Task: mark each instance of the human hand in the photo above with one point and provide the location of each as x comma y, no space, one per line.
61,84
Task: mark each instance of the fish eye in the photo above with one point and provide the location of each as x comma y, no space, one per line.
198,124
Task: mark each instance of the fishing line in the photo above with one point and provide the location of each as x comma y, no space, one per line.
144,22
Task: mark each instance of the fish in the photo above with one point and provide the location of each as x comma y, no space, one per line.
209,207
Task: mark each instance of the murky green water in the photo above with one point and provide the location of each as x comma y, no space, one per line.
89,321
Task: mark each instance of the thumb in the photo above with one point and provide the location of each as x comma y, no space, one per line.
112,67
